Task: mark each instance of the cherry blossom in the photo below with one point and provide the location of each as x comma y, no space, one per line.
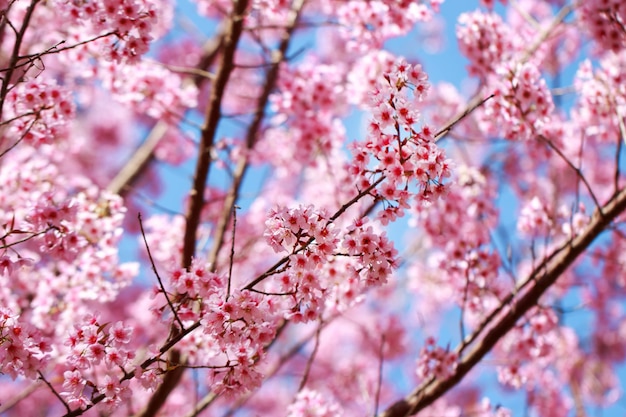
270,207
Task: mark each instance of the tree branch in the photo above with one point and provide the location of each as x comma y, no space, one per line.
231,39
251,136
543,276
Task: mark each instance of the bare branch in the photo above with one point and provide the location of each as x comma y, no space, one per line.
15,55
309,362
209,130
251,136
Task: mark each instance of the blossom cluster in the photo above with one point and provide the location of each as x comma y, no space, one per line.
537,219
435,361
236,327
602,96
315,90
241,328
98,354
23,349
369,24
522,106
604,21
129,21
309,403
542,355
395,155
458,230
38,113
485,40
312,275
70,234
150,89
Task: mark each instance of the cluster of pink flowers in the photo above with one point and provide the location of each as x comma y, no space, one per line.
240,328
365,75
485,40
130,22
394,154
235,327
56,219
604,21
197,282
537,218
534,219
533,344
96,361
369,24
164,235
296,229
39,112
458,230
435,361
312,89
312,274
601,93
71,235
150,89
522,106
311,239
23,350
376,254
309,403
267,12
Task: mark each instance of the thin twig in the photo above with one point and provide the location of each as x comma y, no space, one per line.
575,168
622,129
7,405
15,55
558,19
26,239
154,268
379,383
196,72
232,253
473,105
309,362
19,140
464,304
138,161
56,394
203,404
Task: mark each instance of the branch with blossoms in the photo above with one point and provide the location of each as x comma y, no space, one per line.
299,303
511,309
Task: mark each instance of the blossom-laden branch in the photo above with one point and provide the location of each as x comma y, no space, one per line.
313,246
512,308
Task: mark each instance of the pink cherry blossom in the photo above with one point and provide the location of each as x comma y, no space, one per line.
271,207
